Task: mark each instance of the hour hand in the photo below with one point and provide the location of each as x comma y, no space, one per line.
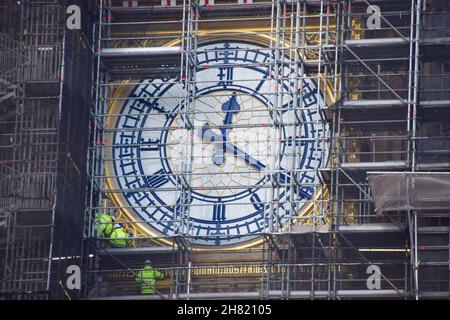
209,136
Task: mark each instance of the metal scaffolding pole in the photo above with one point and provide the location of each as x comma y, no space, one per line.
365,83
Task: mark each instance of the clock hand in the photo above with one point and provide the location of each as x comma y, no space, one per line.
207,134
210,136
283,178
245,156
230,107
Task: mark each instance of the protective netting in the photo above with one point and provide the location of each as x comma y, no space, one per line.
398,191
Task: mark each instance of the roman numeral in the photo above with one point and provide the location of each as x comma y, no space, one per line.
219,212
256,201
150,144
157,179
283,179
261,83
154,105
183,201
295,141
226,76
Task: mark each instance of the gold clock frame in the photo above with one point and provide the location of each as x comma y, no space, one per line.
125,214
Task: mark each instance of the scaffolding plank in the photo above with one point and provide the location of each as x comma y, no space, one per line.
376,42
137,251
375,165
434,103
139,52
379,103
350,228
387,293
436,41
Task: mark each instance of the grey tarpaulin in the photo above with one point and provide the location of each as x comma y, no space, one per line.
394,191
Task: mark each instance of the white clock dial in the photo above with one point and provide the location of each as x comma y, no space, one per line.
252,134
236,147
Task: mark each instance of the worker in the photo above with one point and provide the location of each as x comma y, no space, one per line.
119,237
147,278
105,223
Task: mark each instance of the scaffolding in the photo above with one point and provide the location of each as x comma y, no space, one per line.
353,98
28,161
374,91
37,105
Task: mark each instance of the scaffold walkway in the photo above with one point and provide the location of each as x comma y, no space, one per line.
261,150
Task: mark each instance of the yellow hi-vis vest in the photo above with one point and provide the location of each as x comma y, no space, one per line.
147,279
105,224
119,238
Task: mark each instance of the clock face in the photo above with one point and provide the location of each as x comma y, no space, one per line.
219,175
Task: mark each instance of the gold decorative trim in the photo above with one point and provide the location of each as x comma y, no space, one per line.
124,91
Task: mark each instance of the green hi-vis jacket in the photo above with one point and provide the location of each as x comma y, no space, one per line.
147,279
105,223
119,238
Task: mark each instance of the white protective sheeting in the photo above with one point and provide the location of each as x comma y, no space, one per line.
394,191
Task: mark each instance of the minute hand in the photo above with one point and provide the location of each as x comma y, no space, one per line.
245,156
283,178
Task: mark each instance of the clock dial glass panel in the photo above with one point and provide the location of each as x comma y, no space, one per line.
239,143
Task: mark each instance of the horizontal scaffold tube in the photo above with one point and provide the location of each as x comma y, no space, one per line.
153,51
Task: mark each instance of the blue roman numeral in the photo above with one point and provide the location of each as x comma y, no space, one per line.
256,201
295,141
154,105
157,179
226,76
150,144
219,212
